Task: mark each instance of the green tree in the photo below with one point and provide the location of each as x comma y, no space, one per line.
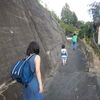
86,30
95,10
79,24
68,16
75,19
68,29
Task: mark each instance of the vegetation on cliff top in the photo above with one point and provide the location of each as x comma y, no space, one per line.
85,30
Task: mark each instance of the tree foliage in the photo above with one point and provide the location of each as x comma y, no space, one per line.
68,16
68,28
55,16
95,10
86,30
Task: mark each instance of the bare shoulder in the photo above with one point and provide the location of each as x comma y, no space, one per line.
37,57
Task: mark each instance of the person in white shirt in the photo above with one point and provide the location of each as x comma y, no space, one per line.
64,54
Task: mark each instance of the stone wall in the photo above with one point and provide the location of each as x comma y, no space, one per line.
93,60
22,21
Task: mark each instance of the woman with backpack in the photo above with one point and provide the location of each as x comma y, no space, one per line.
34,89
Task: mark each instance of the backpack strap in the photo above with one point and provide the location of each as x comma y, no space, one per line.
29,57
25,61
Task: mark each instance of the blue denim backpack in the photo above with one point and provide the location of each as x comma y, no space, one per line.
21,71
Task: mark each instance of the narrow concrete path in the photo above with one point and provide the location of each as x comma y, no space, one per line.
71,82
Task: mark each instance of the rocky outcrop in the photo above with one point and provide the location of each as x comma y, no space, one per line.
22,21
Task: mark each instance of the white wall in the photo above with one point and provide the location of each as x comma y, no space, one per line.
99,35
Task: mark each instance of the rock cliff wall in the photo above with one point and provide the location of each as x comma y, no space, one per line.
22,21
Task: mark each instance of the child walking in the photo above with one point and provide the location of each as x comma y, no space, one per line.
64,54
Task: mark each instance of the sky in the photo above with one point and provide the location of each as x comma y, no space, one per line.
80,7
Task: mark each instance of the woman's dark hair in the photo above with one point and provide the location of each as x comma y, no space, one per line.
33,48
63,46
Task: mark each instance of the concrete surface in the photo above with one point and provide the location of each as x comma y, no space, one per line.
72,82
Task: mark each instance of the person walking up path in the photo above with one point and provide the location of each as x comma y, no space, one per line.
74,40
64,54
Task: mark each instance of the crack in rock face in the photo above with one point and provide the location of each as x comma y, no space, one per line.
23,21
